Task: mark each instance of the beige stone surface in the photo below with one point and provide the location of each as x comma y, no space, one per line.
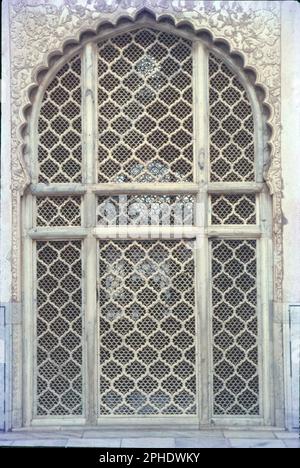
252,29
150,439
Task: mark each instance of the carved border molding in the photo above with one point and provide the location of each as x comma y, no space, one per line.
42,27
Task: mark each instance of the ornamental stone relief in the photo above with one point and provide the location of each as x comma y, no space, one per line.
39,28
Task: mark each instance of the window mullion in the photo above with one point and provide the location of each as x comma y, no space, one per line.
57,232
234,187
89,102
146,188
89,120
200,88
200,112
146,232
44,190
234,231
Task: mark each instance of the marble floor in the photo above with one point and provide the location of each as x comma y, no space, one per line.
151,438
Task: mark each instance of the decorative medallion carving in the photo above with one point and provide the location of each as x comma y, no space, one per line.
41,27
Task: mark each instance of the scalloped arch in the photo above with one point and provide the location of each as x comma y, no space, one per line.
141,15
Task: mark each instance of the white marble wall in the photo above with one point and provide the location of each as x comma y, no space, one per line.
290,120
6,225
290,146
290,157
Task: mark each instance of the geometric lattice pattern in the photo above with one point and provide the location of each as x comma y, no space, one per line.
145,108
59,328
234,297
146,296
147,328
231,126
233,209
146,210
58,211
59,127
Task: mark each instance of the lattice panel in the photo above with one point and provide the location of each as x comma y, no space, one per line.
58,211
59,328
234,297
145,108
59,127
231,126
147,328
233,209
146,210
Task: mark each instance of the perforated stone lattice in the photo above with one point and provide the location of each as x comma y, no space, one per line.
59,127
58,211
231,126
146,288
59,328
234,297
146,210
233,209
147,328
145,115
145,108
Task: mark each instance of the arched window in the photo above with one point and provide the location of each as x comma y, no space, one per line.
146,226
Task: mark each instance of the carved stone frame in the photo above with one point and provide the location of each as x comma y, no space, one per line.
40,31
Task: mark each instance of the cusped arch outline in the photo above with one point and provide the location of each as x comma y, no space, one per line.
272,168
55,59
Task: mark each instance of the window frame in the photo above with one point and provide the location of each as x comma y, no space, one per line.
202,231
